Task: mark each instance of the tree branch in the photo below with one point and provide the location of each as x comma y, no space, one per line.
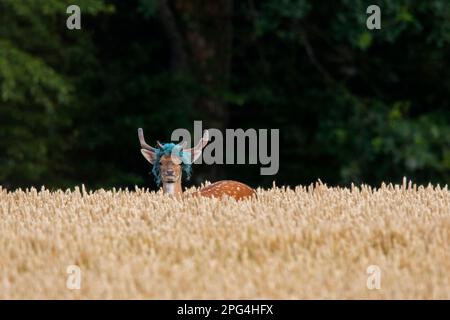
178,59
312,56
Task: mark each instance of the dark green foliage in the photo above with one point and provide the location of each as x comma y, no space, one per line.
352,105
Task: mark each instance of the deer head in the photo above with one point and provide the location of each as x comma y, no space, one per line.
170,160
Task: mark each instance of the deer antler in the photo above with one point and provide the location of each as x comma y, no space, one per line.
201,144
197,150
159,144
144,145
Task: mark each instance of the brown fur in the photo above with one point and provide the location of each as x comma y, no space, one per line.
171,172
234,189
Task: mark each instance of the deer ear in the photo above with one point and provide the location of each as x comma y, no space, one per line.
149,155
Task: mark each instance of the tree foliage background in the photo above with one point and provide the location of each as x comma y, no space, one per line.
352,105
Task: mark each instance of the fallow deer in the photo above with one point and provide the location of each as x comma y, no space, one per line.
170,160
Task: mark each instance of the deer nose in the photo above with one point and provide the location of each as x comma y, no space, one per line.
170,172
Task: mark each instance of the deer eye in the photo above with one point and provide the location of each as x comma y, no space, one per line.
175,160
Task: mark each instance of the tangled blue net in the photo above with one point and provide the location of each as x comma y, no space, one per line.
175,150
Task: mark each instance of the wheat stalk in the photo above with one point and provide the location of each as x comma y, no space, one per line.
311,242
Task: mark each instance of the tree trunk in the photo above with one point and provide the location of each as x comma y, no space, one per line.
200,36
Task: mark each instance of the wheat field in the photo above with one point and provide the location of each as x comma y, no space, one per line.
312,242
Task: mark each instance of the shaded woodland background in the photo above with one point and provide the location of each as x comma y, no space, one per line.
352,105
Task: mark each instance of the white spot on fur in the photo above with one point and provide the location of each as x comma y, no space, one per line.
169,188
